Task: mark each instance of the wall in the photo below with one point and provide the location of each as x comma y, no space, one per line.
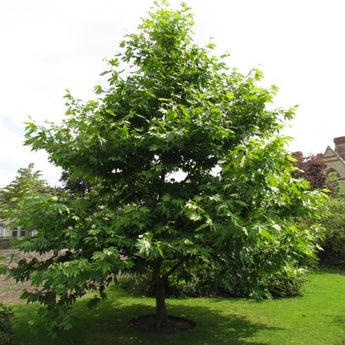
334,159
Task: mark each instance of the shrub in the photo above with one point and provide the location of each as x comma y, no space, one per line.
252,282
288,283
214,280
136,284
6,333
200,283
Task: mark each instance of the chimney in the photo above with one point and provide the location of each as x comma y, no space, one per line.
340,146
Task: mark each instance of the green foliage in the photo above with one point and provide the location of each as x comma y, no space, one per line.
26,183
268,244
288,283
6,333
186,163
268,268
334,242
336,188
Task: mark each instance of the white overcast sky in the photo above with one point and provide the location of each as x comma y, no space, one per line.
48,46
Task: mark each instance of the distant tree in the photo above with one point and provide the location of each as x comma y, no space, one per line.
333,183
27,182
312,168
334,242
186,164
75,186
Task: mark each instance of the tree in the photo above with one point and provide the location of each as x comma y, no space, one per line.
186,164
26,183
74,186
334,223
312,168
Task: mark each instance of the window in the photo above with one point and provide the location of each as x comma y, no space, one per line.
14,233
22,233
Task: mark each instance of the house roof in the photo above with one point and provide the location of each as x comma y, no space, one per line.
332,155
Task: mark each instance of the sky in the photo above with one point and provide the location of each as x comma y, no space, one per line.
48,46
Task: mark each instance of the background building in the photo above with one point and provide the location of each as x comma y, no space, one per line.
335,159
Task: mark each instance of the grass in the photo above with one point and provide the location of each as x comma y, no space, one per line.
317,318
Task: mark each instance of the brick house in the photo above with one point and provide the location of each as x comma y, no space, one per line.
335,159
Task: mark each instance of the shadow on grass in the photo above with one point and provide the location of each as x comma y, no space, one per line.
109,325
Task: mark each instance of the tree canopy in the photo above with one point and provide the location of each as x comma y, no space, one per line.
312,168
185,161
26,183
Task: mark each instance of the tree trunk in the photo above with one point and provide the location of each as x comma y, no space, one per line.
160,282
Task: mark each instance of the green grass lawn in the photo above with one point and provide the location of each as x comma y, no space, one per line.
317,318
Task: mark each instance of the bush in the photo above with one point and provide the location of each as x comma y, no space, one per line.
198,283
138,285
6,333
185,283
252,282
288,283
215,280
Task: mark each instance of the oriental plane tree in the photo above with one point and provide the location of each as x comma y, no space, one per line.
186,164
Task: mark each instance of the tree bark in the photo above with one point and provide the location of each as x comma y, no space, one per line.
160,282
